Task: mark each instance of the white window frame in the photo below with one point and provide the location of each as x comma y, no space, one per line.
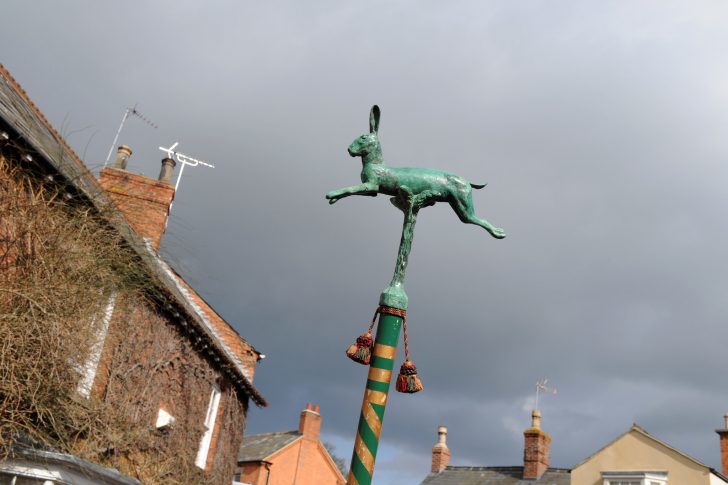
164,419
91,366
639,477
210,417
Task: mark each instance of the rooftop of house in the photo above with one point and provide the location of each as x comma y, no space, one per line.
24,118
494,475
68,468
635,428
258,447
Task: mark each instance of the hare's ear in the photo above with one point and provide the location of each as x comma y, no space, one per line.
374,119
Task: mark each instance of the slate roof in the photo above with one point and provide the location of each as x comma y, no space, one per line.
494,475
258,447
55,462
24,118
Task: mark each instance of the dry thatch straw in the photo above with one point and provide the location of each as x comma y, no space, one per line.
59,263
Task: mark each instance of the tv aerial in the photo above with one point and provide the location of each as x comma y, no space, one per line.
541,387
133,111
184,160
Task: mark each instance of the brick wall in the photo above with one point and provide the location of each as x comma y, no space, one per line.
440,459
535,453
144,201
724,450
148,363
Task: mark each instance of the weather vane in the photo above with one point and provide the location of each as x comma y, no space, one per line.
541,387
129,111
410,190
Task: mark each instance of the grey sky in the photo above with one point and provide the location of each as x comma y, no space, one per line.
601,128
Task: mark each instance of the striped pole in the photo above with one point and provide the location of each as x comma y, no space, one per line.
375,397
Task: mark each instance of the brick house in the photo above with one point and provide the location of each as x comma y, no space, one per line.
168,362
288,457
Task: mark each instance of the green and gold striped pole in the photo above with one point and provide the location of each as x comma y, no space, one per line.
375,396
392,311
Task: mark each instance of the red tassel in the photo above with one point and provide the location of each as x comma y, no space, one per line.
361,351
407,380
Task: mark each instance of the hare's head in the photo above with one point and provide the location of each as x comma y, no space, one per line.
368,142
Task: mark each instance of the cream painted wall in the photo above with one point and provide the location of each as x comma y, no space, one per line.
714,480
635,451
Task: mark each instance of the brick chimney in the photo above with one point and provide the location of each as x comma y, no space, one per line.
536,449
723,433
310,422
440,452
144,201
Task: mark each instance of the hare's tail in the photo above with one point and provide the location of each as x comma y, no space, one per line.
477,186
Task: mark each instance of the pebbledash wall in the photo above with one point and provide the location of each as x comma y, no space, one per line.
186,372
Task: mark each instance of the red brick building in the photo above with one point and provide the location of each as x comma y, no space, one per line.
289,457
175,364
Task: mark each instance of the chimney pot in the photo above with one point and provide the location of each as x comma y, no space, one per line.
536,419
122,156
440,452
316,408
442,435
310,423
165,175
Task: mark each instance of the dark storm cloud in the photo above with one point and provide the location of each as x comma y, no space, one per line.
601,129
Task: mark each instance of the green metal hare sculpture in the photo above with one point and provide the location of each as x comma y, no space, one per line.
411,189
423,185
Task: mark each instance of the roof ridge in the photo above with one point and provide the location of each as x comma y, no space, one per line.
294,431
210,307
61,141
639,429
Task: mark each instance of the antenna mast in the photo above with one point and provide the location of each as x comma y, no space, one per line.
541,387
129,111
184,160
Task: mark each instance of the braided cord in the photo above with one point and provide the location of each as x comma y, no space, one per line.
374,319
397,313
406,343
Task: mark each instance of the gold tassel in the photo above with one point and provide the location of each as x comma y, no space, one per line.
407,380
361,351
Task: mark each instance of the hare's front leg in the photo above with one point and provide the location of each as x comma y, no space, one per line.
367,188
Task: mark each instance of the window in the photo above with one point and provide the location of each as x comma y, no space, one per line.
635,478
164,419
14,479
201,460
92,363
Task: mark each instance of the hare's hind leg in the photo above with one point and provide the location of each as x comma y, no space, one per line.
462,204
